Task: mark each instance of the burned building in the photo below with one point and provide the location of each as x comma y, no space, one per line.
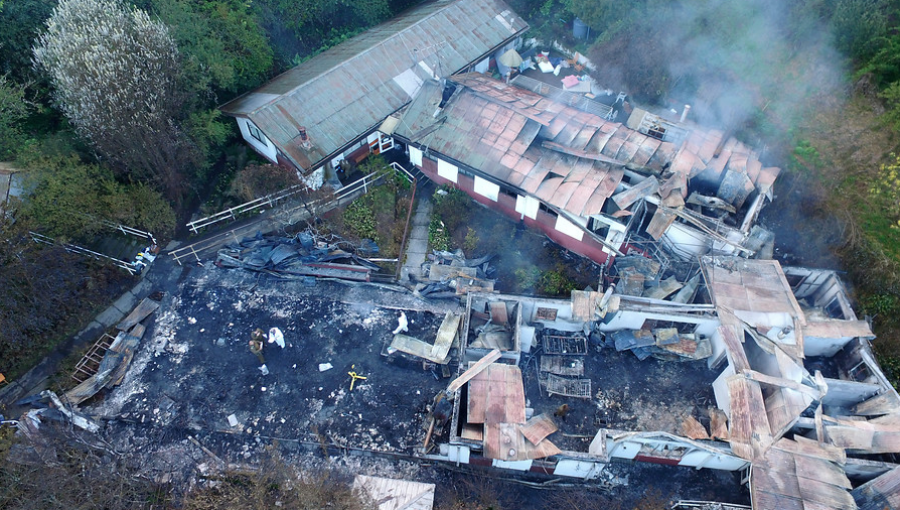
594,186
767,371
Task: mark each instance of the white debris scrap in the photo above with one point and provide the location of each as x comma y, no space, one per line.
275,335
402,323
325,366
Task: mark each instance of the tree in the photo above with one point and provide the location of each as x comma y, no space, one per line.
300,28
220,42
20,22
70,200
13,109
114,71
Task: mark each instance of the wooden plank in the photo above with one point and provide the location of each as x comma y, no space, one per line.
693,429
660,222
416,347
538,428
885,403
474,370
718,424
810,448
886,442
640,190
474,432
749,423
137,331
822,470
498,312
445,336
140,312
826,494
776,477
734,348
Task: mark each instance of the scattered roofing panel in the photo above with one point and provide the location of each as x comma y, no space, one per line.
538,428
753,286
389,494
783,479
749,432
385,66
882,493
505,441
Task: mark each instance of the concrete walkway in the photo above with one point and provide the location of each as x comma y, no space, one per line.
417,244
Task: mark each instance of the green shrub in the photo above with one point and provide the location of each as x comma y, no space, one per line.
360,220
527,278
438,235
454,207
555,283
471,241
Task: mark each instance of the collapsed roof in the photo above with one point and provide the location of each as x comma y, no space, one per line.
585,166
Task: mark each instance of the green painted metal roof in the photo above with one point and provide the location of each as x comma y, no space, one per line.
345,91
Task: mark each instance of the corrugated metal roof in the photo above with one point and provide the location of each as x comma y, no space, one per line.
785,479
343,92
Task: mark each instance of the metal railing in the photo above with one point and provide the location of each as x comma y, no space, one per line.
72,248
194,250
231,213
131,231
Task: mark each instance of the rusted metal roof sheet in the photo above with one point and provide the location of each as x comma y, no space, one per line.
343,92
497,395
785,479
492,126
538,428
750,285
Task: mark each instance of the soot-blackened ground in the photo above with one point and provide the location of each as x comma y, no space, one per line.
197,369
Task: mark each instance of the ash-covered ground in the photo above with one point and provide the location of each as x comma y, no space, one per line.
626,394
194,369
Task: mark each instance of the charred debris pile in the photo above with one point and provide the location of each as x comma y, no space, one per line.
305,255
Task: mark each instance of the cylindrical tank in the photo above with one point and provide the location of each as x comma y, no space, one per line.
580,30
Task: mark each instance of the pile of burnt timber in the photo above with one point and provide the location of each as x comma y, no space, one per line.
297,257
111,370
451,275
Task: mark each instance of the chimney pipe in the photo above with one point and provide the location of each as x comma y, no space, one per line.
304,138
684,113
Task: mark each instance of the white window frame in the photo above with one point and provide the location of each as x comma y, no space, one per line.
486,188
415,156
257,134
568,228
527,206
448,170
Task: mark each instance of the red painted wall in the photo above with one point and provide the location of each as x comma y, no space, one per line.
506,204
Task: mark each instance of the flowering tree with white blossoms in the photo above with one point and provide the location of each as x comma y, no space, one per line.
114,71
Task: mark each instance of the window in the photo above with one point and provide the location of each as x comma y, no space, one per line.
486,188
570,229
415,156
447,170
256,133
527,206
